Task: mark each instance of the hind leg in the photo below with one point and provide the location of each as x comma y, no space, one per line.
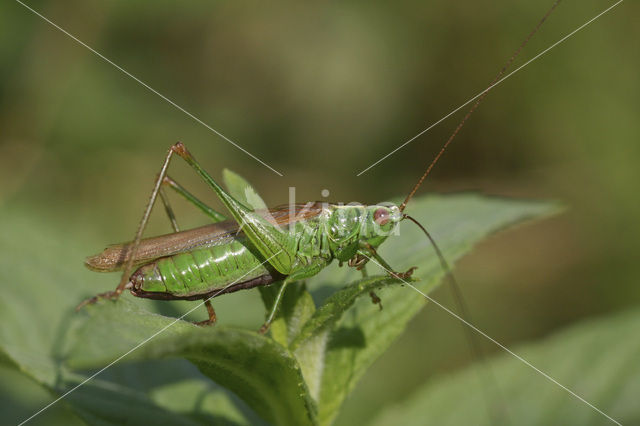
212,314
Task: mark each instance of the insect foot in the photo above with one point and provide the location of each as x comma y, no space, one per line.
404,275
375,299
90,301
204,323
181,150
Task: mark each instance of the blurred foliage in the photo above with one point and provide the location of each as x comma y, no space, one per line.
320,91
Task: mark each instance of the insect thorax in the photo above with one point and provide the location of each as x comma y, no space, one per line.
350,227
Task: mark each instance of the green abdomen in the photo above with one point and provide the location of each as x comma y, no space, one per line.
202,271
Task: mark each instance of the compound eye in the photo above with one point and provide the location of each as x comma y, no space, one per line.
381,216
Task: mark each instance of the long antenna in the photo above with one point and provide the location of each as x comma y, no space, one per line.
475,105
478,353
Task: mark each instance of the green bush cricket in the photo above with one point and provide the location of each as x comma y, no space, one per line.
257,248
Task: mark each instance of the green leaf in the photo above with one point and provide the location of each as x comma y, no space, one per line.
157,392
257,369
104,403
242,190
597,359
37,306
21,397
38,326
204,401
296,308
310,344
351,332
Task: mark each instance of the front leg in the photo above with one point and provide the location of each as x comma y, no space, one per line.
367,251
359,261
375,299
402,276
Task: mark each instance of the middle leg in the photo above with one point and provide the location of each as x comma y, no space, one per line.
212,314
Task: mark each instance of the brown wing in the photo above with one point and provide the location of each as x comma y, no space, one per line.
113,257
282,215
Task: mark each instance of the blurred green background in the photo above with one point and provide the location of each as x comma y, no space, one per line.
320,91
